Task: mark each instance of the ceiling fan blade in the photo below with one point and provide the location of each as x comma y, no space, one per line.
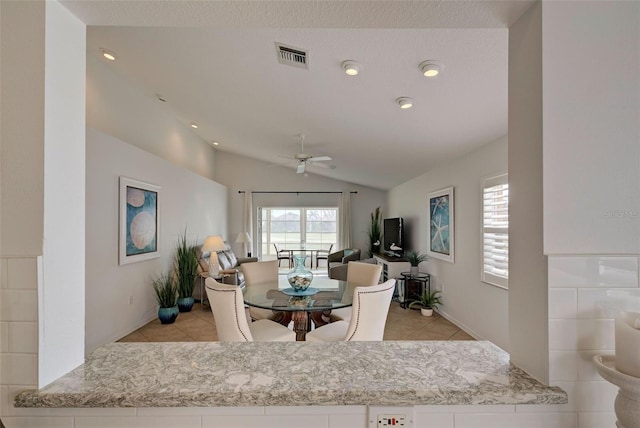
323,165
301,167
319,159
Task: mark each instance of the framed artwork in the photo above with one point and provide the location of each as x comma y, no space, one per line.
441,227
139,221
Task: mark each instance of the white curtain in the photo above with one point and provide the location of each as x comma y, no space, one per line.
345,221
248,218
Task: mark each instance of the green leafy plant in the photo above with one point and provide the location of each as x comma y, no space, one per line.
186,266
166,291
415,258
375,231
428,300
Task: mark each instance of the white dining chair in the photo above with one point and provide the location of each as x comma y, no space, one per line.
360,274
370,309
260,273
227,306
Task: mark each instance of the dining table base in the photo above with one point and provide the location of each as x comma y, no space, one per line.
302,321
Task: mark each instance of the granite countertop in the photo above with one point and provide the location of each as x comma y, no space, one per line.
213,374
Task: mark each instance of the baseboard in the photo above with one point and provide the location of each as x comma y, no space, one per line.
464,327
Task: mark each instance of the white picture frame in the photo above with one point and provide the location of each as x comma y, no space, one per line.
139,221
441,230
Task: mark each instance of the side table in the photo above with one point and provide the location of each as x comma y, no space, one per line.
423,278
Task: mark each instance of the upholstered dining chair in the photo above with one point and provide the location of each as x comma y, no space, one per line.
227,306
370,309
260,273
322,255
364,274
283,255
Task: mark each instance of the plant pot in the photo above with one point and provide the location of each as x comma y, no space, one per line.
414,270
185,303
427,312
168,315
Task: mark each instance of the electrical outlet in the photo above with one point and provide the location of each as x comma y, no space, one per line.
398,420
390,416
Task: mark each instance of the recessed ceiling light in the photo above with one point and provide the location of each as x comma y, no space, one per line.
430,68
405,102
194,125
351,68
108,54
215,143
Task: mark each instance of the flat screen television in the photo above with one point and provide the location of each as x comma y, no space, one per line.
393,235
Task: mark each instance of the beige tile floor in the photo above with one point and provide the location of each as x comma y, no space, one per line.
199,326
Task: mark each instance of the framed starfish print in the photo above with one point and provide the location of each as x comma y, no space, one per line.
441,231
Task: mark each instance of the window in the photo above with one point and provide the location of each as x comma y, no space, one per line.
310,228
495,231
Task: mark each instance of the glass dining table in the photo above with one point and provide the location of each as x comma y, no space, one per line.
312,306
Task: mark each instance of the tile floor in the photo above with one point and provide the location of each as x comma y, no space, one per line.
198,325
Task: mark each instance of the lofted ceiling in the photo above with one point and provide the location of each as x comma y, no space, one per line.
215,64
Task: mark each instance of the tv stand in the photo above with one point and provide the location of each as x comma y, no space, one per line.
392,267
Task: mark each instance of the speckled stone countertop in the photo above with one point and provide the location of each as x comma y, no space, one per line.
216,374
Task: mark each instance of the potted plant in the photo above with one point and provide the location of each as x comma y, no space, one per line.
167,298
186,269
375,232
428,300
415,258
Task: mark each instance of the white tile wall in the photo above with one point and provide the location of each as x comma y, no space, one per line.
563,365
516,420
580,329
593,271
597,420
31,422
22,273
138,422
563,303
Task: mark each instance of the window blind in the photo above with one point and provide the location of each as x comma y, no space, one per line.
495,231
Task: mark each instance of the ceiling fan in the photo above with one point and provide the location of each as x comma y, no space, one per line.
305,158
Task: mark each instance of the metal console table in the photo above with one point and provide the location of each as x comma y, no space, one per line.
422,278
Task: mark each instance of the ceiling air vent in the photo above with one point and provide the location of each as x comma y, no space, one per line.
291,56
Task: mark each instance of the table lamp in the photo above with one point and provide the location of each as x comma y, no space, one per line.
244,238
211,245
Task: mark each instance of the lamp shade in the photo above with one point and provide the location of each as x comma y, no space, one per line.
243,237
213,243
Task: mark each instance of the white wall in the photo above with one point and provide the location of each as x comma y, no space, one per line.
527,262
61,344
591,127
591,151
187,200
477,307
131,134
241,173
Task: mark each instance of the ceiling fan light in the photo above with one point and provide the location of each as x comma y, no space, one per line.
405,102
351,68
430,68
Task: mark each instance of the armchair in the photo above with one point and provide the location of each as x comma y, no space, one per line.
342,257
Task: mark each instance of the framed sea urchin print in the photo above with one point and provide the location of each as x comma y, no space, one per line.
139,221
441,231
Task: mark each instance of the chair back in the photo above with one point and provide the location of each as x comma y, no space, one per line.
370,309
227,306
260,272
363,273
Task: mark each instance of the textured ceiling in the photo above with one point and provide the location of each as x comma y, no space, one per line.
215,62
